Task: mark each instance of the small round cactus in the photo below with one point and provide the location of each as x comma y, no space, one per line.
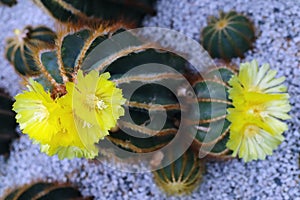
44,190
228,36
19,49
182,176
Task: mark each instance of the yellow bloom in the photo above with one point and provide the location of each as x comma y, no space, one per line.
69,126
37,113
96,100
259,106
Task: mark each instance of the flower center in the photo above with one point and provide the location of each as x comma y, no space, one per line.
251,130
41,115
257,111
221,24
93,100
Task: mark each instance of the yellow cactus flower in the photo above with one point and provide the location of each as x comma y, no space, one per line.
260,103
37,113
96,100
69,126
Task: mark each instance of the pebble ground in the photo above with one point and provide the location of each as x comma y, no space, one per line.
278,43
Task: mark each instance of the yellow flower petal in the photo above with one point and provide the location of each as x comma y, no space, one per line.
37,113
259,106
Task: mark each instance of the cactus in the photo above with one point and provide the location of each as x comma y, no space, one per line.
72,52
7,123
60,64
182,176
212,127
19,49
228,36
67,11
9,3
44,190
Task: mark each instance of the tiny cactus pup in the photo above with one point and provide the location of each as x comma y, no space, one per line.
182,176
21,47
228,36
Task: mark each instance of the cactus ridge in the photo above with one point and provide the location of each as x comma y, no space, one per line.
212,127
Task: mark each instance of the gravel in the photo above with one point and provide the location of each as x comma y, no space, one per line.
278,43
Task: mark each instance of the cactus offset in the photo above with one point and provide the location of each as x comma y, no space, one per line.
8,123
19,49
75,11
182,176
228,36
44,190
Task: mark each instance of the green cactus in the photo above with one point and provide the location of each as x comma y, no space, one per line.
76,11
228,36
44,190
7,123
212,127
182,176
20,49
73,51
9,3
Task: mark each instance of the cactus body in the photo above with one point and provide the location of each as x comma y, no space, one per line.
19,49
44,190
9,3
150,100
147,104
181,176
7,123
90,11
228,36
212,127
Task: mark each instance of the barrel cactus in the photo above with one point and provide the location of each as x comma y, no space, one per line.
8,2
67,11
21,47
228,36
182,176
44,190
135,67
8,123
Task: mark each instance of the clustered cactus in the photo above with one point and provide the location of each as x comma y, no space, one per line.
56,59
73,47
